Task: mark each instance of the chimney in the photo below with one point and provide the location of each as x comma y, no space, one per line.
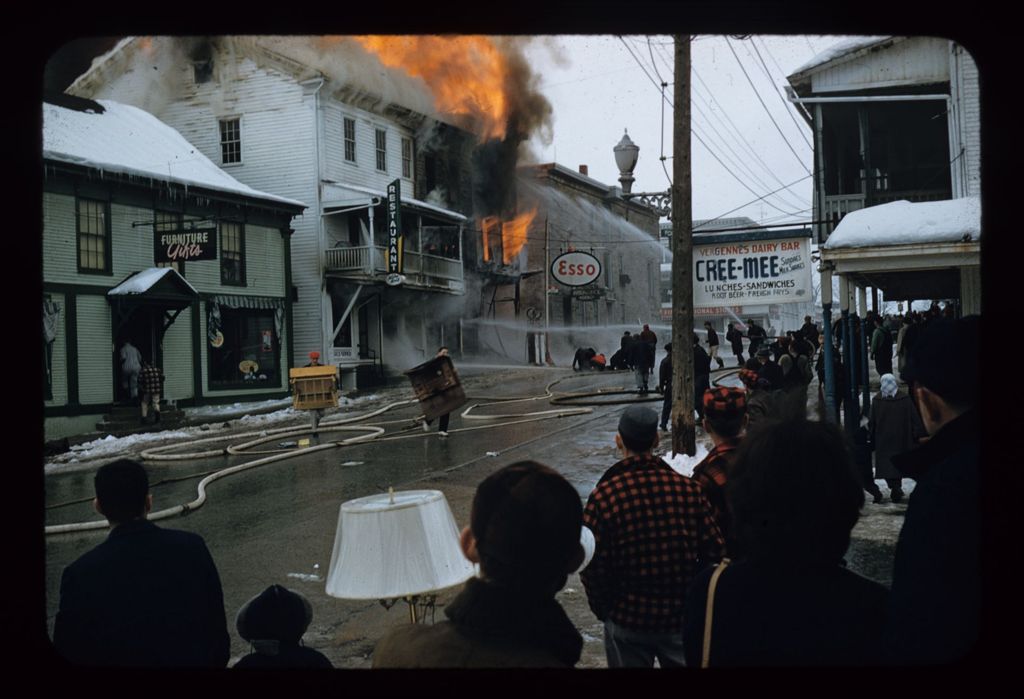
583,170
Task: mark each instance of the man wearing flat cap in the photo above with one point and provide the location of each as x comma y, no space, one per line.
935,605
653,532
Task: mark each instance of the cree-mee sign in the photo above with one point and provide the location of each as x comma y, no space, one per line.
752,272
185,245
576,268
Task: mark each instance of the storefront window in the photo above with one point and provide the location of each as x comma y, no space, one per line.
248,356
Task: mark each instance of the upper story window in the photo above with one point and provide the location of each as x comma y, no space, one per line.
407,158
202,71
382,150
350,140
166,222
230,141
93,229
232,254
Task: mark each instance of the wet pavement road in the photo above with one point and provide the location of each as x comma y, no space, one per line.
276,523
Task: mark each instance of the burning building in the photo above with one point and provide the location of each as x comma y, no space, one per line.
342,123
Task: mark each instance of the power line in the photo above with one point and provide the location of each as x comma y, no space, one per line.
736,132
663,86
742,206
785,105
698,137
790,145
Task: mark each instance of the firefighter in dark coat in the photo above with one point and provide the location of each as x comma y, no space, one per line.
701,375
735,338
756,335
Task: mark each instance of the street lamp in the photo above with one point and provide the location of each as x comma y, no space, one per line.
626,155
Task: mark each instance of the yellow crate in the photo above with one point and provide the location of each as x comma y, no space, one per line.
315,387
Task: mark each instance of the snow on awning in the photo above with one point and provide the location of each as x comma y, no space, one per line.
144,281
905,223
339,200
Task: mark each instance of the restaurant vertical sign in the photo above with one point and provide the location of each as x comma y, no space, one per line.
394,265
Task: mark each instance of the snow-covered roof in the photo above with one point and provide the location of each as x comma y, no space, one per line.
839,50
141,282
905,223
128,140
328,203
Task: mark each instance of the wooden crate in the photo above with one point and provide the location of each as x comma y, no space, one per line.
314,387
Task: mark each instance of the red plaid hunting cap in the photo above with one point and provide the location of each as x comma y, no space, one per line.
725,402
748,377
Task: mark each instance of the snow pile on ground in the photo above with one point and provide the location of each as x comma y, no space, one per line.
681,463
110,447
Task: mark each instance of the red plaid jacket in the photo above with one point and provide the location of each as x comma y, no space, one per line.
711,473
654,533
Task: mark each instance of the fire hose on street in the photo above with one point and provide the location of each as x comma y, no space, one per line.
370,432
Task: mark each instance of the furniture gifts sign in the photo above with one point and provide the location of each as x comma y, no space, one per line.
752,272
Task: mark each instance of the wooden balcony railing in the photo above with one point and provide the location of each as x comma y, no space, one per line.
365,261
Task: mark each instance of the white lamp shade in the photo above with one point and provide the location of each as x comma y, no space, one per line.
396,545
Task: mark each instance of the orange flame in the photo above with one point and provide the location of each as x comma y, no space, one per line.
513,235
466,75
488,226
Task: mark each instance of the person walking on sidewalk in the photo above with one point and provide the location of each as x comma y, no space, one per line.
525,533
151,384
653,531
713,344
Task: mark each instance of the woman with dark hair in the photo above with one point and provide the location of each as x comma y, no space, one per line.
794,496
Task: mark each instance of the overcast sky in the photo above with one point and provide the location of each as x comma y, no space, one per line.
601,85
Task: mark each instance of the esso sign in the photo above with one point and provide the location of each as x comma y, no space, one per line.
576,268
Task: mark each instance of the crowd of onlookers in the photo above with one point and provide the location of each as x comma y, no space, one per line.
741,563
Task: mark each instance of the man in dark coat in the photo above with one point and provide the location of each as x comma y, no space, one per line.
665,386
769,370
713,343
936,584
756,335
642,357
809,332
735,338
881,347
525,532
146,596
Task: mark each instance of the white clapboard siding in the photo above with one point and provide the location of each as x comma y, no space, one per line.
178,365
59,358
60,263
970,103
95,351
913,61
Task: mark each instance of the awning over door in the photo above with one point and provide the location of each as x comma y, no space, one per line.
156,288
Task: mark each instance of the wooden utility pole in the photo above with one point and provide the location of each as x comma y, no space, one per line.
683,429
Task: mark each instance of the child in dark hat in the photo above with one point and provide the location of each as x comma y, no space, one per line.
273,622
